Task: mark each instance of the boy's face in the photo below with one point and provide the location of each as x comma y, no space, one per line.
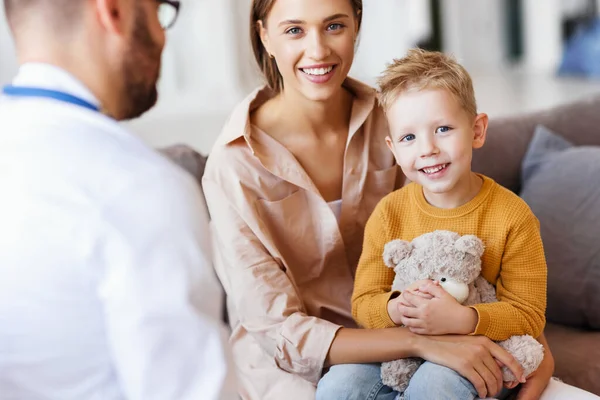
432,138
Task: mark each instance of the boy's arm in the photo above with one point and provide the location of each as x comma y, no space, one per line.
521,287
373,282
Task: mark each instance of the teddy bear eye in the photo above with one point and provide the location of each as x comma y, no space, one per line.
443,280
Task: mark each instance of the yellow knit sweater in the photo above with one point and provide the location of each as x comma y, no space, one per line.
513,260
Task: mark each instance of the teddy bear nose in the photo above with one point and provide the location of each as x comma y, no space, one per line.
443,280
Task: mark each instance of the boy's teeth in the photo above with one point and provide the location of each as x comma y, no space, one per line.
434,169
317,71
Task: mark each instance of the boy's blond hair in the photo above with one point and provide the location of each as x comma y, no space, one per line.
421,69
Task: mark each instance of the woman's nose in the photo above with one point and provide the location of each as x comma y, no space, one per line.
317,48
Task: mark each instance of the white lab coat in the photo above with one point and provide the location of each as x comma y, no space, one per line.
106,288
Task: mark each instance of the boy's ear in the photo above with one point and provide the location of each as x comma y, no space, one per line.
390,144
480,126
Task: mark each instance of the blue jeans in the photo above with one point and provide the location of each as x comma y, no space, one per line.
433,381
363,382
354,382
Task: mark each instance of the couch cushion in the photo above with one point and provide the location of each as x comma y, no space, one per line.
561,184
188,159
508,138
576,354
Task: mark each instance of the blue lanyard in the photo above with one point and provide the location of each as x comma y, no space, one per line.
21,91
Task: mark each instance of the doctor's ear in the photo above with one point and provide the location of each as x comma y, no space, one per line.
115,16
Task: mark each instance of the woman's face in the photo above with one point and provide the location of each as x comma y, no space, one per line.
313,44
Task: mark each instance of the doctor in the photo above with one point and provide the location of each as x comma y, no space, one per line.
105,288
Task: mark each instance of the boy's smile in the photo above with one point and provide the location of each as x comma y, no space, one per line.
432,138
435,171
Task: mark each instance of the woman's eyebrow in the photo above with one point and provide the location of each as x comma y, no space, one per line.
300,22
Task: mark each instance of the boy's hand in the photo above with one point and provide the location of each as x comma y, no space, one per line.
416,285
393,304
430,310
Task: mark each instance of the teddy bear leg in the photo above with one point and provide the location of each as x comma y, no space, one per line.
396,374
526,350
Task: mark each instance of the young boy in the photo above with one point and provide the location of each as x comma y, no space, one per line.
434,126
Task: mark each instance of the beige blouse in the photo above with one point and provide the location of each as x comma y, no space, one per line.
285,263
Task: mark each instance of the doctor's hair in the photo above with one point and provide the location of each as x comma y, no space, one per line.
59,13
9,6
259,11
14,8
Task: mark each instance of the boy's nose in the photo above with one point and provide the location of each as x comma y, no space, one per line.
428,148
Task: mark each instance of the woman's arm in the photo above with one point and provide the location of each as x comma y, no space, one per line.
358,346
264,296
470,356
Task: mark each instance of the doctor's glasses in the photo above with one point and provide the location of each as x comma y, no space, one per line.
168,10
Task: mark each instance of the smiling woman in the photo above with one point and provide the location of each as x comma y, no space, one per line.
266,42
290,183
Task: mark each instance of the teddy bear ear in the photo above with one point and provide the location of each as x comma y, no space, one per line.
395,251
470,244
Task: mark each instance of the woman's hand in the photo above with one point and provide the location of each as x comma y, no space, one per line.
475,357
538,380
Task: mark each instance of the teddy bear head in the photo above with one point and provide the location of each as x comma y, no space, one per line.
443,256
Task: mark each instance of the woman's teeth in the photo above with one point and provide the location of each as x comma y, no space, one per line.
317,71
433,170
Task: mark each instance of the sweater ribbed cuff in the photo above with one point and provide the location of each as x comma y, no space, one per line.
483,322
379,313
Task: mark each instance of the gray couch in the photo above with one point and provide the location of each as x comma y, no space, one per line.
576,350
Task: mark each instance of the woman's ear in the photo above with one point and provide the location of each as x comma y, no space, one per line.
480,126
264,36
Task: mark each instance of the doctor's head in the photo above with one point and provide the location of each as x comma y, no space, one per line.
113,46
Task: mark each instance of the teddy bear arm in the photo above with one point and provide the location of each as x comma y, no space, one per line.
486,290
474,296
399,284
526,350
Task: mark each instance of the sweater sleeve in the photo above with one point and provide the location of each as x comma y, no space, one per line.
373,282
521,286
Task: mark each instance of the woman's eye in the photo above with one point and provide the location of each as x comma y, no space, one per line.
294,31
442,129
408,138
335,27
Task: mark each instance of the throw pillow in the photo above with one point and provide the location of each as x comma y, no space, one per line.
561,184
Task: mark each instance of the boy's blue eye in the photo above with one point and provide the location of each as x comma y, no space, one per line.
442,129
408,138
294,31
335,27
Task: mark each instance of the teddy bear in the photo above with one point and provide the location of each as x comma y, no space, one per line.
455,262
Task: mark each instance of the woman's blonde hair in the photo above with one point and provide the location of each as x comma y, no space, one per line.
422,69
